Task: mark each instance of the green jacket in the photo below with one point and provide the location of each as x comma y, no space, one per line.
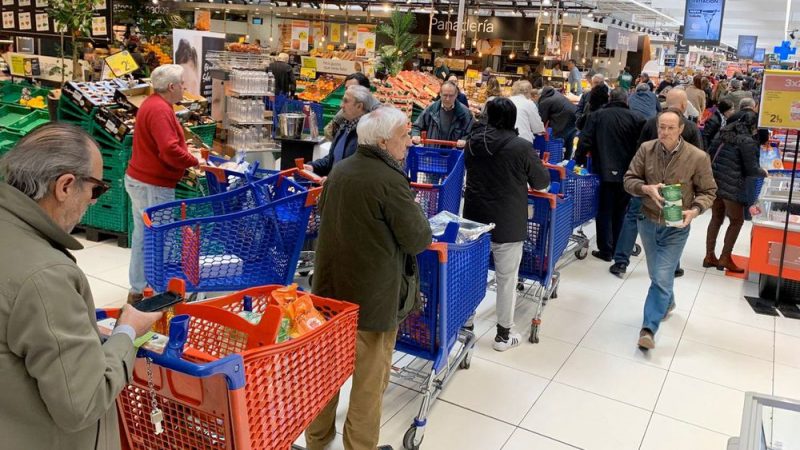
369,225
58,383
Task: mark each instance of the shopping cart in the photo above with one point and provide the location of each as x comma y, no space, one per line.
221,382
585,193
551,150
548,234
250,236
452,283
437,177
223,180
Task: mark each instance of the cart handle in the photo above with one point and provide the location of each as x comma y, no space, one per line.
231,366
553,198
562,172
424,140
218,172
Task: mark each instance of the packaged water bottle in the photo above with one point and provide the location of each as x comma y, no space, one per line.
270,83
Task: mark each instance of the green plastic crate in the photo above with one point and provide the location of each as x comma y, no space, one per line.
106,140
73,111
28,123
8,140
10,114
205,132
112,210
11,93
184,191
115,162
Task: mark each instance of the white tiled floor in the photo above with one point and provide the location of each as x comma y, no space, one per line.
586,385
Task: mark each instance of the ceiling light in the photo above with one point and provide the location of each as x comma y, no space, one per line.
386,7
546,14
577,47
590,15
547,2
564,15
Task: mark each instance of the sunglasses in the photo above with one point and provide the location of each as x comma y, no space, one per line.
100,187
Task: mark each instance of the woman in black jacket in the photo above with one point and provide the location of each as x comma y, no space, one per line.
735,157
598,98
500,168
723,110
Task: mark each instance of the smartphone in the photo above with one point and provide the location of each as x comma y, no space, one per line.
158,302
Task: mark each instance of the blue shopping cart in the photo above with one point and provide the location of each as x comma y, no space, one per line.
551,150
585,193
437,178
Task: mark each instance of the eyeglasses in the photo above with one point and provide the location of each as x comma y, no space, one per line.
100,187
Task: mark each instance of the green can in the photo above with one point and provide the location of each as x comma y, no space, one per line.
673,204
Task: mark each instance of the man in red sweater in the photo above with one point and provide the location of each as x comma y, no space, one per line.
160,157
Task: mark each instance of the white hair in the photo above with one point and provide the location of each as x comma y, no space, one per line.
283,57
363,96
380,124
747,103
165,75
522,87
598,79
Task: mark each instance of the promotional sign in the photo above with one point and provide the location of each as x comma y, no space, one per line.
490,47
40,67
780,100
336,33
365,43
325,65
760,55
623,40
702,23
190,50
121,63
509,28
300,34
30,18
747,47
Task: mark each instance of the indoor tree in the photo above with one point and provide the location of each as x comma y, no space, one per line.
404,44
73,18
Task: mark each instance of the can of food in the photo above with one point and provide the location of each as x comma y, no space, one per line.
673,204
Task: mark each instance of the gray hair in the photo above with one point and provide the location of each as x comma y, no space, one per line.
747,103
619,95
283,57
363,96
41,157
522,87
736,84
380,124
598,79
165,75
642,87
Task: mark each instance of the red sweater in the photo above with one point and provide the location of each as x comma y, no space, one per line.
160,154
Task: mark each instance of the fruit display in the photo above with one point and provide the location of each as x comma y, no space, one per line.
321,88
393,92
331,54
424,87
163,57
244,48
37,102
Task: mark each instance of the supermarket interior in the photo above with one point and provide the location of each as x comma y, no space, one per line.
400,224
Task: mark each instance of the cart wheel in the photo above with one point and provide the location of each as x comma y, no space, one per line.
408,439
311,279
304,273
520,286
534,338
465,363
582,252
637,250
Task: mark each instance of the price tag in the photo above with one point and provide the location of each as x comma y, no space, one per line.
121,63
308,73
780,100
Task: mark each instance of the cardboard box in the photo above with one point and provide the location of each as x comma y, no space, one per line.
113,124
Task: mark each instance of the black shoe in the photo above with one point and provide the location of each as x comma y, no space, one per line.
618,269
385,447
679,273
599,255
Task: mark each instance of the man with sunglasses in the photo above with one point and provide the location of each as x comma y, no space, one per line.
59,380
160,157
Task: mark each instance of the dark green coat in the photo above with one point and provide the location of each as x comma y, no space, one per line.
369,224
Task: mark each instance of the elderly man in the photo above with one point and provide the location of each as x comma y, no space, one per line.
357,101
284,75
354,79
528,121
370,235
583,103
676,100
560,113
669,160
445,119
59,380
736,94
610,137
160,157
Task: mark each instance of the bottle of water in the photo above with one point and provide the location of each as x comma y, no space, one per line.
270,83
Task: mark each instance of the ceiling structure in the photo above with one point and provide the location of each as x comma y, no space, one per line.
765,18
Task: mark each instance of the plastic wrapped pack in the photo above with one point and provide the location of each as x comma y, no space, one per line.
468,230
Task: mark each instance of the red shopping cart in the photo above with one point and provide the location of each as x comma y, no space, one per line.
220,384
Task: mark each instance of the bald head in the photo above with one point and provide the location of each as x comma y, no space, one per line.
676,98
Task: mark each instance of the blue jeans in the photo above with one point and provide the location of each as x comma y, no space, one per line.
663,247
142,196
629,232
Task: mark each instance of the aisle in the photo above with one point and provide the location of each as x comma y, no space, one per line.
586,385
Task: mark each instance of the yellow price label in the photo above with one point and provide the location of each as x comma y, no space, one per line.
308,73
121,63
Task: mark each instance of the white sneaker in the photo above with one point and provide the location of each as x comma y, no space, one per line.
502,345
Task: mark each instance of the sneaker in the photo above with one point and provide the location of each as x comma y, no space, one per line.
646,340
599,255
501,345
618,269
669,310
679,273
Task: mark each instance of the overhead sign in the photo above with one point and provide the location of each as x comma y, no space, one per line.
623,40
747,47
780,100
325,65
31,18
785,50
760,55
509,28
702,22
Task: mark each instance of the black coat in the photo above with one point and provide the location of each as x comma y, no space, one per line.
500,167
430,122
324,165
610,136
691,133
557,110
284,77
737,159
710,130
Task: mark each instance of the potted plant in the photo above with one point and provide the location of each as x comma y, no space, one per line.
398,30
73,18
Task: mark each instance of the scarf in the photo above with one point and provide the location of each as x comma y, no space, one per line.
400,166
